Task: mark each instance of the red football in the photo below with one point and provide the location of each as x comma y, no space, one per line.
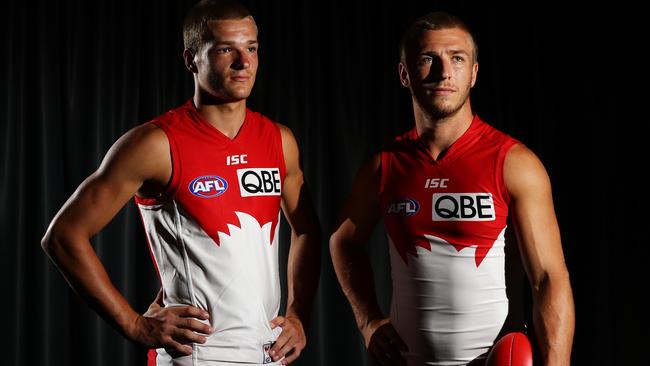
513,349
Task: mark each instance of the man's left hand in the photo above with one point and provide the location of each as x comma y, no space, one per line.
290,342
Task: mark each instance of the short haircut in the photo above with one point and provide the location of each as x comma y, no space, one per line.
434,21
195,25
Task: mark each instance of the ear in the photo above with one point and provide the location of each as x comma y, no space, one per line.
474,73
403,75
188,57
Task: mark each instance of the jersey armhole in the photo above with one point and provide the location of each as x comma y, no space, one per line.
500,181
283,163
172,185
384,170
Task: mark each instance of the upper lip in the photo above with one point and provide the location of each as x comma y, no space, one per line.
443,88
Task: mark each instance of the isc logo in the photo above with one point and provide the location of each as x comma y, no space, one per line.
259,182
463,207
405,206
208,186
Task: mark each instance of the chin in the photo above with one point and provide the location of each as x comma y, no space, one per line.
237,95
443,111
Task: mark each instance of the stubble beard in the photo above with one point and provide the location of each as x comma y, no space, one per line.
441,110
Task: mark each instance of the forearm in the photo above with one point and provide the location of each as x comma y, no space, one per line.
83,270
554,318
303,273
355,275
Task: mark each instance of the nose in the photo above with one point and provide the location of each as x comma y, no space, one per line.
242,60
445,69
440,69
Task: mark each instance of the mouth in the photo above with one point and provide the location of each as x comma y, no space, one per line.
240,78
442,90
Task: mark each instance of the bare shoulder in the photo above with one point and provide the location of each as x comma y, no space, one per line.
287,135
142,152
368,177
147,138
371,167
289,149
524,172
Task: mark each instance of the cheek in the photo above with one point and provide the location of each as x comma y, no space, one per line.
423,71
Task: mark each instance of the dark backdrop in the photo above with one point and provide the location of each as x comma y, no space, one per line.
78,74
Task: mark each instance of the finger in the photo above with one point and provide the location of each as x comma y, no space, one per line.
191,311
194,325
187,336
277,321
392,352
394,336
178,347
289,358
291,344
379,356
281,341
387,351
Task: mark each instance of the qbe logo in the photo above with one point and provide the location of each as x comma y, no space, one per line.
404,206
208,186
463,207
259,182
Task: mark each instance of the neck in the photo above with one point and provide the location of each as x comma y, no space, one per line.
227,117
440,133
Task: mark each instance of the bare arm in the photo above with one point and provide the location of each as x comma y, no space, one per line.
357,220
140,156
303,269
541,250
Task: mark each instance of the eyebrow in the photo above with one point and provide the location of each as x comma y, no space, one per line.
453,52
229,43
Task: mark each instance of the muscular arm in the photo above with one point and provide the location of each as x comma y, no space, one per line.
541,250
358,218
351,263
303,269
140,156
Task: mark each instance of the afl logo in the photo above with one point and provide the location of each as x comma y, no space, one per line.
404,206
208,186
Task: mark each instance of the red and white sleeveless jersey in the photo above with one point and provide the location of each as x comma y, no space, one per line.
445,222
214,234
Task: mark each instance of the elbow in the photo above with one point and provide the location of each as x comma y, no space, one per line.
551,282
336,245
54,239
47,242
333,243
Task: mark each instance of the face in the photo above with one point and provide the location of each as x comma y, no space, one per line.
226,66
439,69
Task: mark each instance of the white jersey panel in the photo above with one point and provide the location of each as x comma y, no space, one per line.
236,281
444,306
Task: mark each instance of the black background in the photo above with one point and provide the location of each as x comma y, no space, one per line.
565,81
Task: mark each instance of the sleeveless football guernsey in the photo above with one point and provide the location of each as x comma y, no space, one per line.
445,222
213,235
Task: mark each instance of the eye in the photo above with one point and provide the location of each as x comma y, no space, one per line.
458,59
423,60
252,49
224,50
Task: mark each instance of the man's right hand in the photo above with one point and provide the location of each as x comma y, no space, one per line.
173,328
384,344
